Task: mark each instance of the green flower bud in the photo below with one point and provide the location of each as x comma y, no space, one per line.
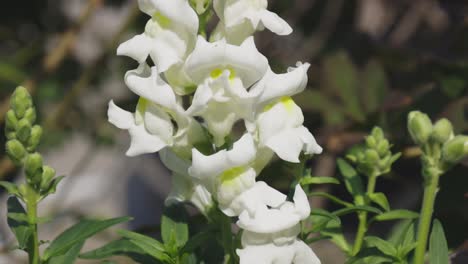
35,138
455,149
21,101
30,115
419,127
24,130
377,133
11,122
23,190
15,151
383,148
47,176
443,130
372,157
33,167
371,142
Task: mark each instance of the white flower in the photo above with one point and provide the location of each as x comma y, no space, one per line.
224,73
169,35
227,173
241,18
278,121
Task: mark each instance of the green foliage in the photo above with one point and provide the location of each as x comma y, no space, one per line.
121,247
18,222
438,249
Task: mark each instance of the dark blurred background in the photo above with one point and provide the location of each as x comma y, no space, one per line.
373,61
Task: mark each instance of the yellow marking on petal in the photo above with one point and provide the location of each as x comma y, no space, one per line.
288,103
216,73
231,174
162,20
140,110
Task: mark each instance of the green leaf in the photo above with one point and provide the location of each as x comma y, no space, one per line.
149,245
323,213
318,180
174,226
380,199
341,76
382,245
331,197
69,257
374,86
196,241
352,180
395,215
371,256
358,208
333,230
78,233
438,249
53,186
10,188
19,224
121,247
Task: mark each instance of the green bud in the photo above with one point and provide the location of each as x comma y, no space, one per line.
443,130
377,133
455,149
371,142
383,148
15,151
35,138
20,101
30,115
33,167
419,127
11,122
23,190
47,176
24,130
372,156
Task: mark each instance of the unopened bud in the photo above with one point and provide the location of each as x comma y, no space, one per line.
455,149
372,157
11,122
24,130
383,147
21,101
35,138
47,175
419,127
15,151
377,133
33,166
371,142
30,115
443,130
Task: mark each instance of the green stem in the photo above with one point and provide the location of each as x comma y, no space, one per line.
362,216
430,191
31,208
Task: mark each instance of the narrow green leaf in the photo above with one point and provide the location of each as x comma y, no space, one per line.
78,233
331,197
196,241
174,225
438,249
121,247
318,180
53,186
69,257
358,208
396,214
380,199
352,180
321,212
19,223
316,239
382,245
10,188
149,245
371,256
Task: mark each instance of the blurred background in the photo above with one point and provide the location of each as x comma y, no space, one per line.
373,61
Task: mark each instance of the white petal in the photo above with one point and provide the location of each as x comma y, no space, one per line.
310,144
174,162
268,220
304,254
275,23
142,142
286,144
119,117
301,202
137,48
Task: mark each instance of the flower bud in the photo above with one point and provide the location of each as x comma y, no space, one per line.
21,101
377,133
15,151
455,149
371,142
47,175
35,138
11,122
419,127
24,130
383,147
443,130
33,167
372,156
30,115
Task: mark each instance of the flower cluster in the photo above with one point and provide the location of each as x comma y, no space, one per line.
190,100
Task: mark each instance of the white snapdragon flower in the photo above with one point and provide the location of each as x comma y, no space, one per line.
270,235
224,73
241,18
278,121
151,127
227,173
169,35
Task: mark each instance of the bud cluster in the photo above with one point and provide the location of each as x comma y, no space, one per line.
23,137
375,158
